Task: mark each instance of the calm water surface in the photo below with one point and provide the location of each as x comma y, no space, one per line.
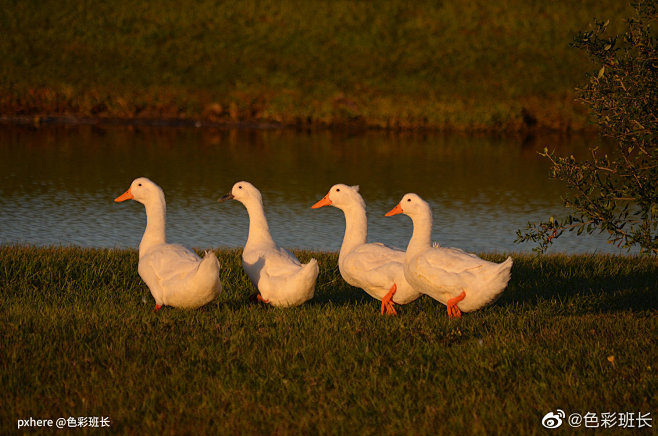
57,185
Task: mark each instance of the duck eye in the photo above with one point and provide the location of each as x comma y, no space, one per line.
337,189
240,187
408,199
139,184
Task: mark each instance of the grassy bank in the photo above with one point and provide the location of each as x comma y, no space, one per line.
80,338
449,64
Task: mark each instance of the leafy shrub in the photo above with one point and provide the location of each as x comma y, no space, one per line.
618,193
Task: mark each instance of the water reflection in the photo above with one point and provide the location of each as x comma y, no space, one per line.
57,185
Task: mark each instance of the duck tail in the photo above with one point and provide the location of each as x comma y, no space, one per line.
501,277
209,272
506,267
309,274
504,272
310,270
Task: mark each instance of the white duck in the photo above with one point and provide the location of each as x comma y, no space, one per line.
280,278
460,280
175,275
374,267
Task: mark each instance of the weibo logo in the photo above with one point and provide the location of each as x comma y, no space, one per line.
553,420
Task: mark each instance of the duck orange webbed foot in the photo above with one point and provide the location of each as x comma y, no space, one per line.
453,310
157,307
255,298
387,301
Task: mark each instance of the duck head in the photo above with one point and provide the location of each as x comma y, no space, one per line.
341,196
242,192
142,190
411,205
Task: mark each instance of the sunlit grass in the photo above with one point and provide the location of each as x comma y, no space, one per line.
81,338
449,64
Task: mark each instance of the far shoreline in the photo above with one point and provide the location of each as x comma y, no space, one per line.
511,129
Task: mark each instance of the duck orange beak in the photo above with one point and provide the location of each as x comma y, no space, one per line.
324,202
396,210
125,196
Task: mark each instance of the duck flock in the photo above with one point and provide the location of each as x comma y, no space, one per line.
178,277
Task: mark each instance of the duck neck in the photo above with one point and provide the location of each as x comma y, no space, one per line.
259,230
154,234
356,230
422,235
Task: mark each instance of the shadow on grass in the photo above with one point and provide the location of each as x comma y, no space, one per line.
344,295
580,284
591,283
586,284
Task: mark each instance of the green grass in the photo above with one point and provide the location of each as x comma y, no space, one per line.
81,338
398,64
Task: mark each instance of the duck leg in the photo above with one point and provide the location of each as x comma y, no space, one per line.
387,303
257,297
157,307
453,310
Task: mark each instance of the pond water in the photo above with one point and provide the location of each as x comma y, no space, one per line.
57,185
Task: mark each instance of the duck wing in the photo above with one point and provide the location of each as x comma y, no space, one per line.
373,265
447,267
171,262
280,262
